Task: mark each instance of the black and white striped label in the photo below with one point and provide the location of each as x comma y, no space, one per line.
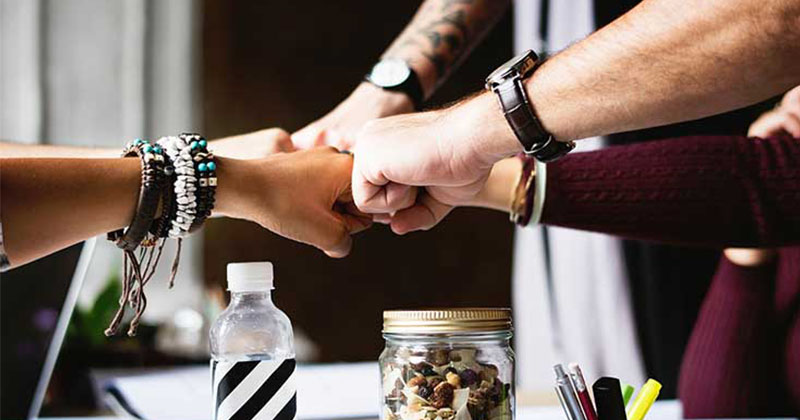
259,389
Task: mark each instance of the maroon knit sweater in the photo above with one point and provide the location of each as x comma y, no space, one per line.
743,358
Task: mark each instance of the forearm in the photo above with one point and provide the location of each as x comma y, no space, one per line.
49,204
20,150
668,61
442,33
717,191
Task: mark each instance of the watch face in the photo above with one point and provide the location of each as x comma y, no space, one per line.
389,73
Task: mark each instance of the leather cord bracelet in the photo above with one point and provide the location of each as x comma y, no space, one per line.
150,193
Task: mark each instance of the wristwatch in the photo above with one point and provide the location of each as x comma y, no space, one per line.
395,75
506,82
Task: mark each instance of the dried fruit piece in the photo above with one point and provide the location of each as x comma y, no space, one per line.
469,377
453,379
451,370
488,373
424,391
433,381
440,357
442,395
417,380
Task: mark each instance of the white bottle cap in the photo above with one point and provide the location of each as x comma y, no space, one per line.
250,277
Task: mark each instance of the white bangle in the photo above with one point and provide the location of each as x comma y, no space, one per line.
538,194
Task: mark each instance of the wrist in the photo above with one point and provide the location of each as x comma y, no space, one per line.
498,190
235,180
483,130
384,102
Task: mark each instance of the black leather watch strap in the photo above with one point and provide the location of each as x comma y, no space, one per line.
535,140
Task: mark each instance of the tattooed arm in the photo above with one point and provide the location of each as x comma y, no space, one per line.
440,36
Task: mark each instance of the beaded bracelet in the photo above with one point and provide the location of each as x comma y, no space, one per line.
205,170
184,186
179,178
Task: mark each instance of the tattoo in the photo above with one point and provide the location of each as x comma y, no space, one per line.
444,30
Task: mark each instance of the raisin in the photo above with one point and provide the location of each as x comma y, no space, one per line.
424,391
468,377
442,395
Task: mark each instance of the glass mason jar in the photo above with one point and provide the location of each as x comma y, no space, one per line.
447,364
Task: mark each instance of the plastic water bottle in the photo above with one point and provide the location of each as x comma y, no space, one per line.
252,350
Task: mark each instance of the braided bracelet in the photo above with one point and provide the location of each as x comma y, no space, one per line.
134,278
149,194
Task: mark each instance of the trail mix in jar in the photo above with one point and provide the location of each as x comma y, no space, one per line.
444,384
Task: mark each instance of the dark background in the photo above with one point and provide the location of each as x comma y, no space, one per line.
274,64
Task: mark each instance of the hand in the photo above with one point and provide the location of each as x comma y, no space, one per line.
253,145
449,151
784,118
339,127
304,196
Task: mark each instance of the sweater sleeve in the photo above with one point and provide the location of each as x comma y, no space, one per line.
714,191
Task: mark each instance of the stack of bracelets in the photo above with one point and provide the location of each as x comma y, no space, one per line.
527,199
179,179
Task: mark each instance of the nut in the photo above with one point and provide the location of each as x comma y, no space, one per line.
417,380
488,373
453,379
440,357
442,395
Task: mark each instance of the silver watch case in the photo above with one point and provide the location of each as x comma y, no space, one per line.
520,66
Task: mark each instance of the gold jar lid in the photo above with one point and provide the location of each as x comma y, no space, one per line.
447,320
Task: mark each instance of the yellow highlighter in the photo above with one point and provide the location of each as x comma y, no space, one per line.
644,399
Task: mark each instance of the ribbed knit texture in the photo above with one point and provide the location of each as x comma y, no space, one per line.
731,364
719,191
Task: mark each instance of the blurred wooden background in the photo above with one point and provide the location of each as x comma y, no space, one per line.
272,63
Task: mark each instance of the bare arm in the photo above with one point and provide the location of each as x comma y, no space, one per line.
667,61
442,34
257,144
50,203
12,150
439,37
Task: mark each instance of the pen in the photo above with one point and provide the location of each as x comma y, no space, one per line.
583,394
627,393
608,398
644,399
566,394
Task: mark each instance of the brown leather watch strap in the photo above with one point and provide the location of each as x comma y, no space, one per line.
535,140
